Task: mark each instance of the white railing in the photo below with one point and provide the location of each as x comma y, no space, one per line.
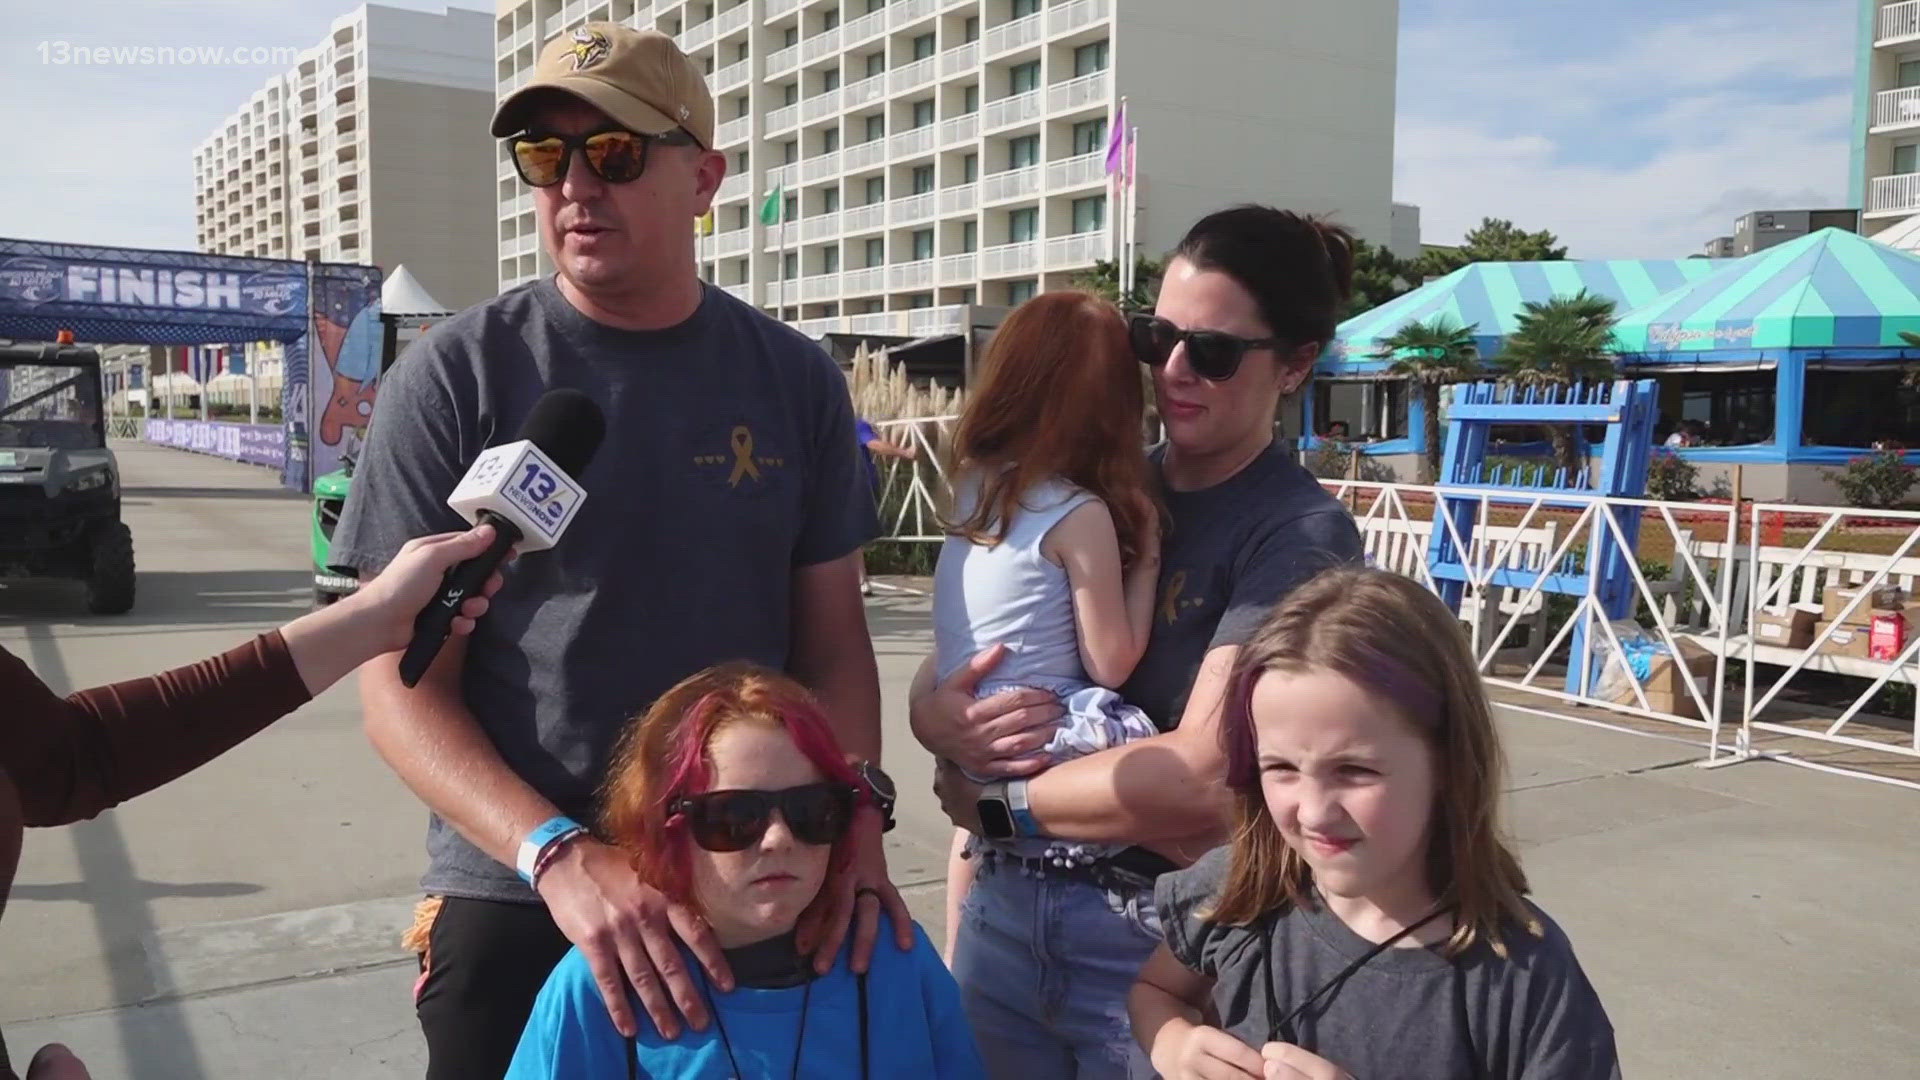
732,75
820,166
782,118
864,155
908,76
733,131
1066,18
820,287
734,187
1010,110
911,275
820,227
1075,171
783,176
907,12
1020,257
959,129
913,208
781,61
1899,21
1014,34
873,279
1079,249
741,291
777,8
781,237
782,293
528,244
960,200
826,43
820,105
912,141
732,243
866,26
865,92
959,269
967,57
1078,93
816,327
1900,107
523,204
733,19
1012,184
864,218
696,35
936,320
1894,193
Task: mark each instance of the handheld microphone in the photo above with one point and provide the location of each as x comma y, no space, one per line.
526,490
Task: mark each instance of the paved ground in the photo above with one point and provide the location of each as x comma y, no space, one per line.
1745,922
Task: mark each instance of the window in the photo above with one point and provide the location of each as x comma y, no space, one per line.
739,217
1023,225
830,200
923,46
922,244
1090,214
1906,159
876,62
830,260
920,300
922,179
791,36
1735,408
1090,136
1088,59
970,30
1855,408
830,140
969,236
829,19
970,98
970,168
923,113
876,126
829,80
1024,77
875,5
1024,8
740,162
1023,151
967,295
793,207
790,93
740,106
1019,292
1370,409
790,266
741,51
876,251
876,189
790,151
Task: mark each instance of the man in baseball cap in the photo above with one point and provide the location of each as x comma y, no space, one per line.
730,505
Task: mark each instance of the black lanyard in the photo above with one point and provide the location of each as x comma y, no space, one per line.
799,1042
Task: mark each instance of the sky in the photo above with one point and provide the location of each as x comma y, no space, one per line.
1630,128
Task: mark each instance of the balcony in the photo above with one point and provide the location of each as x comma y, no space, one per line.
907,12
820,167
820,106
865,92
913,141
733,131
865,155
783,176
820,227
737,242
782,293
909,76
820,287
732,75
783,60
959,200
1077,171
782,118
1066,18
742,292
872,24
959,129
1012,184
820,46
967,57
523,204
1899,23
1077,250
732,19
814,328
1894,194
1007,260
1078,93
1012,35
862,219
1896,108
1011,110
876,322
857,282
959,269
777,8
911,275
733,187
914,208
780,237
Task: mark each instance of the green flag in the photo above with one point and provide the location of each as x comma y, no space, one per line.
770,210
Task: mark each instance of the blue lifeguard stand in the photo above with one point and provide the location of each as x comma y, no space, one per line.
1628,409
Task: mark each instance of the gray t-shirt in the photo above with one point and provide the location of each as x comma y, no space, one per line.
729,461
1408,1012
1234,550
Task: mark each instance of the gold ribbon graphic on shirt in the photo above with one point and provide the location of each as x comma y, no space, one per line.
1170,600
742,456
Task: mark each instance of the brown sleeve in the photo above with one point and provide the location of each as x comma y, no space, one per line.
72,758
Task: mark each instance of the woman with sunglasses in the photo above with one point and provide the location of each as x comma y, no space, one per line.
1046,956
732,796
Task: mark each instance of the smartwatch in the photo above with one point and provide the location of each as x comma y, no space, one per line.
1003,811
880,791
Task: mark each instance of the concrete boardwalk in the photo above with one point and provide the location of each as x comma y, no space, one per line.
1744,922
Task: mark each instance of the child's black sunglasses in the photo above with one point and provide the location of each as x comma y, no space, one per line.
614,154
736,819
1213,355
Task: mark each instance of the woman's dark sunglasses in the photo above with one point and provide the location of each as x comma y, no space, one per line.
1214,356
735,820
615,155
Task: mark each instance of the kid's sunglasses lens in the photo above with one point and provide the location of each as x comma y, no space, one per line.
735,820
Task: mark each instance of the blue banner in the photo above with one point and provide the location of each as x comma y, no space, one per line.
137,295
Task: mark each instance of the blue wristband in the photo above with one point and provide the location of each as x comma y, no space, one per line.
1024,824
548,831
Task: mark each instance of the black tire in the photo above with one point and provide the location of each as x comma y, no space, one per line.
322,598
110,570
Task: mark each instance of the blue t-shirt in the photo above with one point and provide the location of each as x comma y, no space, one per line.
916,1027
863,433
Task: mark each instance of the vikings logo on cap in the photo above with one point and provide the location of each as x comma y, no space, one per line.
589,48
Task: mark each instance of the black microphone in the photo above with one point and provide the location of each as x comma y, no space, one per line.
526,490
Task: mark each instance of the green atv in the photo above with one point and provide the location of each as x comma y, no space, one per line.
59,484
330,582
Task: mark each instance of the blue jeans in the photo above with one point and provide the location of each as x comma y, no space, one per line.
1044,964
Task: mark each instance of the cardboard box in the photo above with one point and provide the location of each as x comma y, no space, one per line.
1888,635
1848,639
1789,628
1885,598
1666,688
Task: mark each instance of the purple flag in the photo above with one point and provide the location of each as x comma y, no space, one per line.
1117,140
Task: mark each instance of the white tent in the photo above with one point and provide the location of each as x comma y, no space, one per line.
404,295
1903,236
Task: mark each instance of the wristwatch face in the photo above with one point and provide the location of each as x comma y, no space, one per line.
996,821
880,782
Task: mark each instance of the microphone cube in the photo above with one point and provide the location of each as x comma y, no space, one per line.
518,482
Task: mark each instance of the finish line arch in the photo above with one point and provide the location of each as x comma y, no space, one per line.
327,314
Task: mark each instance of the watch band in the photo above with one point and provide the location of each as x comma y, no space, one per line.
547,834
1024,824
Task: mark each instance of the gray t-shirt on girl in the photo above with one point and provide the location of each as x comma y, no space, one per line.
1408,1012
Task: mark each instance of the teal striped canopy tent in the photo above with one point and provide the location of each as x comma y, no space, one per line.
1490,294
1833,291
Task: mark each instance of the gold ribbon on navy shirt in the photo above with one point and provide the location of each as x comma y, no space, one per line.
1170,599
743,464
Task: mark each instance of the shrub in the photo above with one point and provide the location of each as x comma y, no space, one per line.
1670,477
1332,460
1877,480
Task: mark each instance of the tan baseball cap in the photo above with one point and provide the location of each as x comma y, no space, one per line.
640,78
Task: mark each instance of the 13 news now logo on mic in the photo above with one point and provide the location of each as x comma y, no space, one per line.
520,483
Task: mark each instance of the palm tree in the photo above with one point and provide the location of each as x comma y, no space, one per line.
1559,342
1430,355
